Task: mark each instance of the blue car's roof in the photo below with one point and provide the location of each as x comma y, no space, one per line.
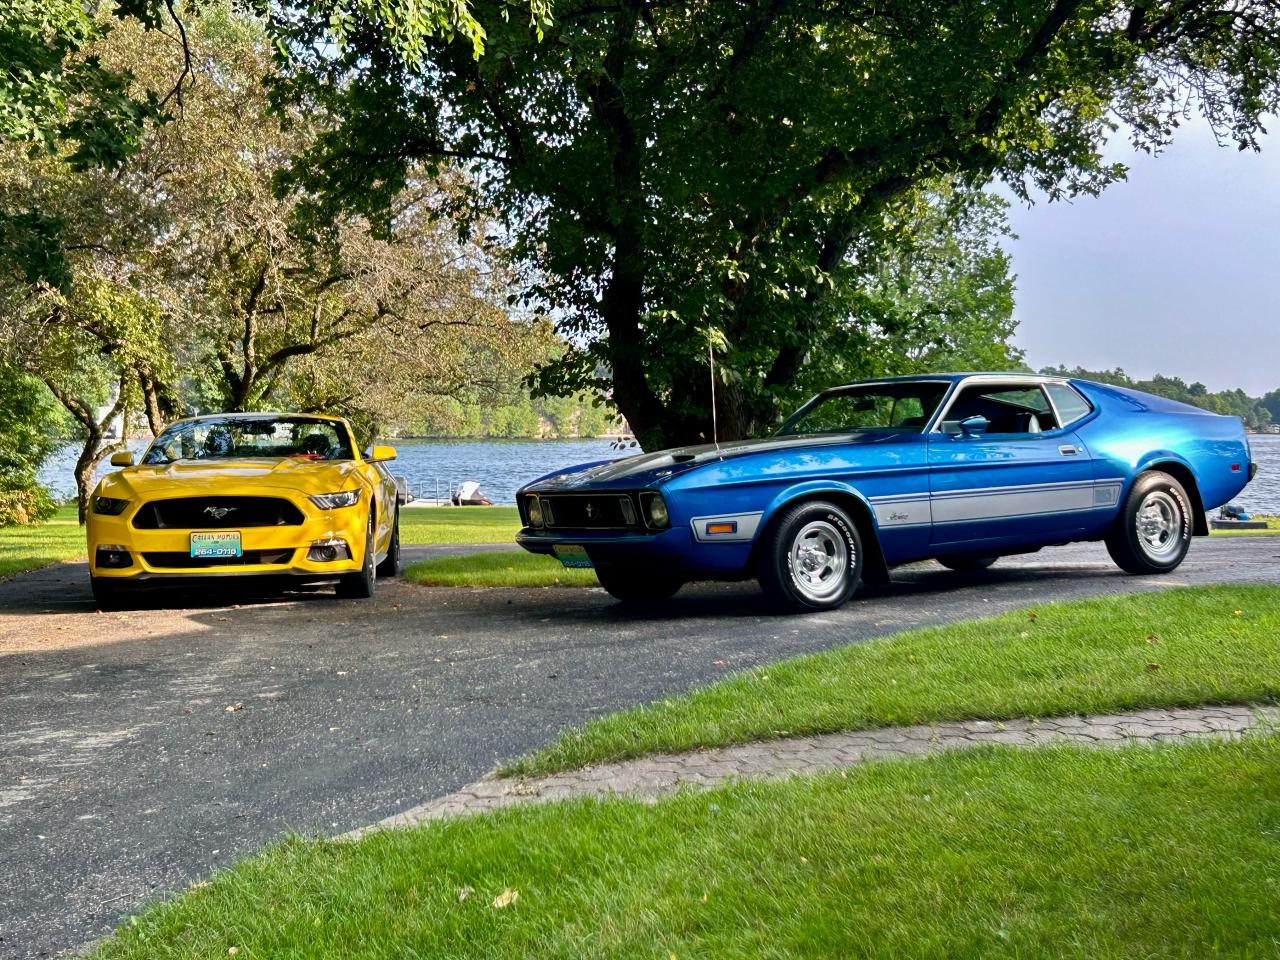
956,377
1094,390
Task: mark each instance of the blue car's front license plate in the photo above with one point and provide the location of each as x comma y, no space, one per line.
572,555
215,545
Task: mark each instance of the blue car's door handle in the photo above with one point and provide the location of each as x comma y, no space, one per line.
1068,449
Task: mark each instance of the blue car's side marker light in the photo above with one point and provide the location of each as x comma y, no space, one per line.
722,526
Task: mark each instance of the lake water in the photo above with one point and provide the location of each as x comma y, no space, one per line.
502,467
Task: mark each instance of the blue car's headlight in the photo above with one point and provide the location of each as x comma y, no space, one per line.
655,510
533,507
109,506
332,501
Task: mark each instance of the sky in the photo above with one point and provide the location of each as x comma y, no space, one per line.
1175,271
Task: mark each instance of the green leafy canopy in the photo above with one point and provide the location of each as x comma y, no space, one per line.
669,171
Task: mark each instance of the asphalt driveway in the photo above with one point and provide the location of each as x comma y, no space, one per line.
140,751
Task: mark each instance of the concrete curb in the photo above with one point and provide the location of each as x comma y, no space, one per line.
648,778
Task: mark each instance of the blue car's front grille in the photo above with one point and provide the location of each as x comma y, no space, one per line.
613,511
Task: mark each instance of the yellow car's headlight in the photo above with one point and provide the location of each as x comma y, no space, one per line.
332,501
109,506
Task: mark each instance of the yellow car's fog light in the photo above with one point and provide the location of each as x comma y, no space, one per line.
112,556
327,551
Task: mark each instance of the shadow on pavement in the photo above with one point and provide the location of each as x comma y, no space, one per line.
64,588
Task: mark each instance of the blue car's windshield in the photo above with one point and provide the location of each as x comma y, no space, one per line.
232,437
905,407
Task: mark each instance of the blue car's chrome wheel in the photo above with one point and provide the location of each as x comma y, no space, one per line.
810,557
1159,523
1154,527
819,560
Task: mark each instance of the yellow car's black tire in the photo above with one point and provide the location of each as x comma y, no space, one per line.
107,595
390,565
637,585
360,586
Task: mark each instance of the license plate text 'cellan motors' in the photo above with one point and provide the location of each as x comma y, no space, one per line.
220,544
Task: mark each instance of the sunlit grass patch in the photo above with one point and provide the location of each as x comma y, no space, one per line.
1178,647
40,544
998,853
458,525
506,568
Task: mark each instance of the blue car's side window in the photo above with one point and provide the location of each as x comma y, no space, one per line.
1070,405
1007,409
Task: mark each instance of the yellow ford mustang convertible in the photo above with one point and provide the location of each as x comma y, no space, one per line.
232,495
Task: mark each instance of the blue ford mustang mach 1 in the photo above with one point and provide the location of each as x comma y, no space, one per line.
962,468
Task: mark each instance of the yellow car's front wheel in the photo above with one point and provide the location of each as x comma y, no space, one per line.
360,585
390,565
106,595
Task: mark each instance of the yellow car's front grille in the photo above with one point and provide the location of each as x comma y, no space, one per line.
213,513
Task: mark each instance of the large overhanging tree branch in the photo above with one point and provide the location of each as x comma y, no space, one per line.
672,172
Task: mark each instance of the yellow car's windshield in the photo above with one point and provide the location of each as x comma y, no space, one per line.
250,437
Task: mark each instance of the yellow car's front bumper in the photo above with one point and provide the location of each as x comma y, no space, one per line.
155,554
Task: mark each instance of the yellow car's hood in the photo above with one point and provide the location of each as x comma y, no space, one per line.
240,476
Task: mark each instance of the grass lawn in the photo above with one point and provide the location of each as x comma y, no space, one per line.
62,538
1062,852
1177,647
40,544
506,568
458,525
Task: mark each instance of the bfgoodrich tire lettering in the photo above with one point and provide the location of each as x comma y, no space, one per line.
811,558
1153,530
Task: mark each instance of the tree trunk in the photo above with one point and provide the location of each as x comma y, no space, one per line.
86,464
151,402
92,452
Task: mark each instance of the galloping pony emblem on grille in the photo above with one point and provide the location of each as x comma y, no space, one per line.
591,511
219,512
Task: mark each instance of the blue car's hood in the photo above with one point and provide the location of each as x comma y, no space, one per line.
649,468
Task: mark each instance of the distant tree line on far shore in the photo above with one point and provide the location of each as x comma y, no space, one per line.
516,417
1256,412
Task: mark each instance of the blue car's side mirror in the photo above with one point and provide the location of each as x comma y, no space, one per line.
974,426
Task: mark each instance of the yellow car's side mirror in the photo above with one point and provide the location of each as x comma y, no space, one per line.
381,452
122,459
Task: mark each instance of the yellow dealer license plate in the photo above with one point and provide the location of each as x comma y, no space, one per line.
213,545
572,555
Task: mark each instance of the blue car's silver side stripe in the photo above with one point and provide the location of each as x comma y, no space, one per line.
950,506
993,503
744,526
